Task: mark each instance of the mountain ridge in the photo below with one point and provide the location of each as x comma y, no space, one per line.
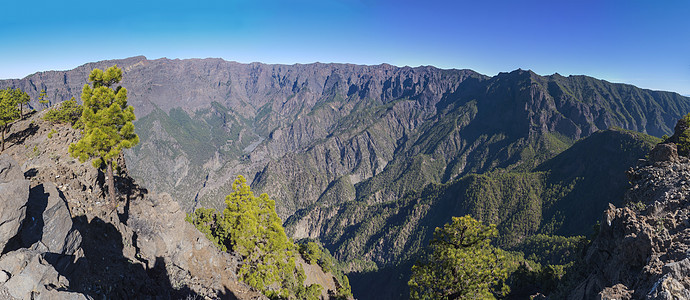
322,139
296,108
299,110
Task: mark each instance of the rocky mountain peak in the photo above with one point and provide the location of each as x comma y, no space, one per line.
642,250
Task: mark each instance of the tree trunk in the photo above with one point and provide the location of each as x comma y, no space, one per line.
3,136
111,184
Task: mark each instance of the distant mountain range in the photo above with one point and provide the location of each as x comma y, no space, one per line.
370,159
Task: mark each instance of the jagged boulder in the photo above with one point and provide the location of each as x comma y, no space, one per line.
664,152
47,240
14,193
31,276
675,283
58,233
49,221
616,292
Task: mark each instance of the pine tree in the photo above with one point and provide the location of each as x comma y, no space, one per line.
42,98
250,227
8,111
462,263
107,123
681,136
20,98
311,252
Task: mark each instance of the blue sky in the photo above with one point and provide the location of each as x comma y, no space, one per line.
645,43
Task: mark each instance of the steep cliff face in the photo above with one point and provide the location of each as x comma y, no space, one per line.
641,251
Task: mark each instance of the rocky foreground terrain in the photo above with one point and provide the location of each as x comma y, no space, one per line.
642,250
61,240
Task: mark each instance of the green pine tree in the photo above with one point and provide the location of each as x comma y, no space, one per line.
250,227
310,252
107,123
8,111
21,98
462,263
42,99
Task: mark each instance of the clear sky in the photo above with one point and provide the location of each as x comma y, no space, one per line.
645,43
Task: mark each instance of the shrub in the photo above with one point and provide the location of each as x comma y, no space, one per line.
681,135
68,112
311,252
50,134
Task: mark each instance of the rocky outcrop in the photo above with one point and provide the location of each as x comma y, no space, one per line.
32,276
45,240
57,233
14,191
641,251
315,275
664,153
71,245
162,235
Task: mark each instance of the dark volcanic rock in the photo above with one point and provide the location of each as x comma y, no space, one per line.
58,233
32,277
14,193
642,249
664,152
44,232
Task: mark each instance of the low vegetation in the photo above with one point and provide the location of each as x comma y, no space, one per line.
68,112
51,133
